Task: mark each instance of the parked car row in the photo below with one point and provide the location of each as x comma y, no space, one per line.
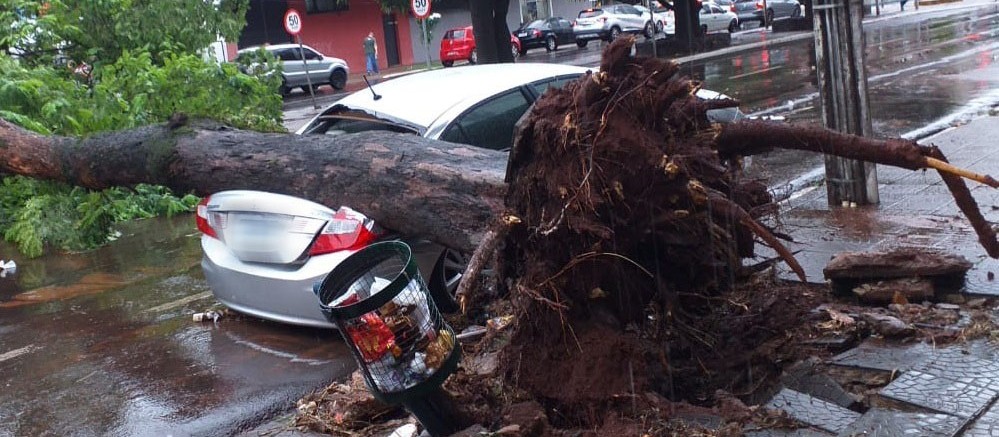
263,252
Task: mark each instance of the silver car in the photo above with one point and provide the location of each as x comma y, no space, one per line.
322,69
609,22
264,253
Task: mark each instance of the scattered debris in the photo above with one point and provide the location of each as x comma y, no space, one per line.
908,289
888,326
849,270
7,268
210,315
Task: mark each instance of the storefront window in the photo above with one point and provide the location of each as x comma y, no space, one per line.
531,10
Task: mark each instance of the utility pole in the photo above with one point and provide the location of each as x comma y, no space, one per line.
842,77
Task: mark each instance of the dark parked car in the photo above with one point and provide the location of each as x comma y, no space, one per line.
752,10
548,33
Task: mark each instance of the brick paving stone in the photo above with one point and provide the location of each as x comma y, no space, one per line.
958,364
887,423
804,432
939,394
876,357
985,426
813,411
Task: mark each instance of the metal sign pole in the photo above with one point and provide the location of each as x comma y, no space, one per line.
842,77
308,79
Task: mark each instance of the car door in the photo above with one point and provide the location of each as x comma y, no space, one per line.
291,64
490,123
635,19
565,31
317,69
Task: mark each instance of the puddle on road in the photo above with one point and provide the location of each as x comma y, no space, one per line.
115,324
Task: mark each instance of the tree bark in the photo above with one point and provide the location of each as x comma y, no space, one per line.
492,35
445,192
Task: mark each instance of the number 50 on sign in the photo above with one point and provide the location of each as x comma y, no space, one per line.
421,8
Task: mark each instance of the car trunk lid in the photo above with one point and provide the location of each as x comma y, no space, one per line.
267,227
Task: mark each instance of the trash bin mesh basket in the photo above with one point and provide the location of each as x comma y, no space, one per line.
379,302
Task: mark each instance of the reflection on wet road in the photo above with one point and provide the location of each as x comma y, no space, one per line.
102,343
949,62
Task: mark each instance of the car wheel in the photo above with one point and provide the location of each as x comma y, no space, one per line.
796,12
338,79
733,26
516,52
660,27
447,63
444,280
474,57
284,89
551,44
582,43
704,29
650,30
769,18
614,33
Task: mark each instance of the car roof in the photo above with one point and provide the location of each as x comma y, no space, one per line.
273,47
419,99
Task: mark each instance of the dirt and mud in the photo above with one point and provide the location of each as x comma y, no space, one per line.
621,262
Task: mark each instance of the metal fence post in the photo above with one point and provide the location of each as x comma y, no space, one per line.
842,77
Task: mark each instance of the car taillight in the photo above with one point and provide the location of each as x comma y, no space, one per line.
209,221
347,229
602,19
731,7
537,34
759,5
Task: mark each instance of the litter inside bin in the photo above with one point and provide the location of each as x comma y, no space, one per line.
7,268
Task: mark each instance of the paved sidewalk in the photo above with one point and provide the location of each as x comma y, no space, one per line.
947,392
916,210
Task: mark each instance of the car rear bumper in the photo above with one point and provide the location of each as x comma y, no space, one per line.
455,55
584,35
283,293
279,294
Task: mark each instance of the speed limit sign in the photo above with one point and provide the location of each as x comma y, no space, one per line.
292,22
421,8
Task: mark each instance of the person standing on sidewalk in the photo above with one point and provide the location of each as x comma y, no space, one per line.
371,53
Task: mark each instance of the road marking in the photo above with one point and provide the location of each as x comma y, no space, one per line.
178,302
740,76
18,352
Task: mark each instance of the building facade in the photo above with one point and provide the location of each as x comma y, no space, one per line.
333,27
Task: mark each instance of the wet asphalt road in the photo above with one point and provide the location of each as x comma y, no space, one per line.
102,343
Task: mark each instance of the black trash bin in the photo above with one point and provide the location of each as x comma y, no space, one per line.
404,348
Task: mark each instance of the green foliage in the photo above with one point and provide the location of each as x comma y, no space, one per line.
36,213
76,67
97,31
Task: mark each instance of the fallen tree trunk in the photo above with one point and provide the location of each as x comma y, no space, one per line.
446,192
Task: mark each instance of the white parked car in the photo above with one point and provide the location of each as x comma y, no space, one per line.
477,104
715,18
609,22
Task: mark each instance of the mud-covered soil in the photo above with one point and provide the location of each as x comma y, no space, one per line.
621,269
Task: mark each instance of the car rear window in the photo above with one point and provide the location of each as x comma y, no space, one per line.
536,24
590,13
455,34
352,122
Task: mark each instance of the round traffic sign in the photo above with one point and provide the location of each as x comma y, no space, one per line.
421,8
293,22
